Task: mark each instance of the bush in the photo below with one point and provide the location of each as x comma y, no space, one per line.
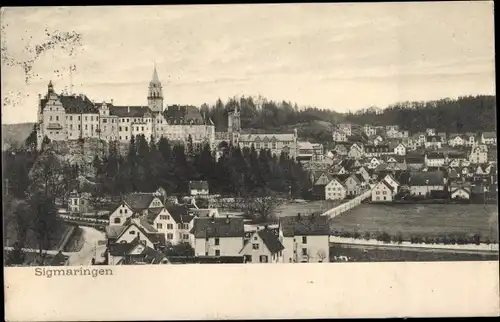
367,236
476,239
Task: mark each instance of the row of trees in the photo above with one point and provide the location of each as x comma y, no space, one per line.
236,172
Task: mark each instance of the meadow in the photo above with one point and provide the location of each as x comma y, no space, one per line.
429,220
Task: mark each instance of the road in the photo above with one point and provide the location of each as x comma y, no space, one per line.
90,248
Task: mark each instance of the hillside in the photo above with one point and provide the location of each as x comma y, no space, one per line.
14,135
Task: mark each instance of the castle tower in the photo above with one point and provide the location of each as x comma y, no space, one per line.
155,94
234,126
50,88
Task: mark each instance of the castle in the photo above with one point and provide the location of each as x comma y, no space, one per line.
71,117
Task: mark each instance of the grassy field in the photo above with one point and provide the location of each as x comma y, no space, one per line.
291,209
357,254
433,220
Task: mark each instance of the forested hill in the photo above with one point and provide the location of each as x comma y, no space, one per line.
465,114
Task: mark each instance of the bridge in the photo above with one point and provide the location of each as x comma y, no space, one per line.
340,209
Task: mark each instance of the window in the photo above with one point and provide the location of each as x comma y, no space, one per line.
71,118
86,127
206,253
119,128
104,121
217,252
85,118
385,198
248,258
304,239
57,118
91,118
304,251
255,246
79,118
132,232
121,211
142,128
217,242
117,220
164,217
126,128
170,226
179,226
170,236
263,258
185,226
185,236
79,127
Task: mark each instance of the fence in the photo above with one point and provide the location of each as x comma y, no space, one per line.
340,209
84,221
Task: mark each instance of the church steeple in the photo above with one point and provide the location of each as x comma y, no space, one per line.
155,94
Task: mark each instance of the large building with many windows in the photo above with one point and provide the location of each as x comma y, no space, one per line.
276,143
70,117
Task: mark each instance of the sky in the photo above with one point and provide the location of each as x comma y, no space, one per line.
343,57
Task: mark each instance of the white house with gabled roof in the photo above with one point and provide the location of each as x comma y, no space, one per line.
335,190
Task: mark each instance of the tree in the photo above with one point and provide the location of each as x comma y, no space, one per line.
45,142
44,221
321,255
31,140
261,206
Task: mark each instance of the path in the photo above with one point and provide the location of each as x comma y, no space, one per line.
90,248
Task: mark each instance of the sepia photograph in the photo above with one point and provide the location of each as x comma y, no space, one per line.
174,135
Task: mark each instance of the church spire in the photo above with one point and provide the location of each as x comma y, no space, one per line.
155,78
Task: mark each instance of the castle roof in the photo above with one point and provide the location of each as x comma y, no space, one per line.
176,114
129,111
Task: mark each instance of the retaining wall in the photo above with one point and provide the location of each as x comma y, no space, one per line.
340,209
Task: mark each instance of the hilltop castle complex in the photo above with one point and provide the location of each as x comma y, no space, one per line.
71,117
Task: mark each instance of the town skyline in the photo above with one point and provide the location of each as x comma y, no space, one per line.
384,52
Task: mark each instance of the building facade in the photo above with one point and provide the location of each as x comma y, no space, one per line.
64,117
